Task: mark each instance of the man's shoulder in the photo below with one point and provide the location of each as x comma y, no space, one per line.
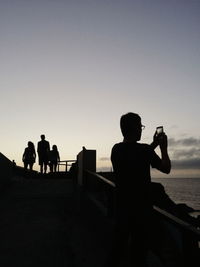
144,145
146,148
128,148
118,145
44,142
140,145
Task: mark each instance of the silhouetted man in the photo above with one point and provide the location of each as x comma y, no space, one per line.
131,164
43,149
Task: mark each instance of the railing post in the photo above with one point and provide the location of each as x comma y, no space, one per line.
86,161
66,166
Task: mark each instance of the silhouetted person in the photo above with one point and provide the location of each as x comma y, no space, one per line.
54,157
131,164
29,156
43,149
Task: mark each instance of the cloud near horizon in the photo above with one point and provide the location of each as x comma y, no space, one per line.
188,142
185,153
186,164
104,159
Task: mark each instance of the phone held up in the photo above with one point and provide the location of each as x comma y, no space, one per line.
159,130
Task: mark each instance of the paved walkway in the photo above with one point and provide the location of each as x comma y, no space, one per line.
40,226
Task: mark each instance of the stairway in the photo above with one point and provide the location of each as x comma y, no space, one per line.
34,223
40,226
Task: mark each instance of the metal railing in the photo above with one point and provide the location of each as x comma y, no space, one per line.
102,192
66,164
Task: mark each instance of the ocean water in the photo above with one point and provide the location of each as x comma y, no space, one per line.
182,190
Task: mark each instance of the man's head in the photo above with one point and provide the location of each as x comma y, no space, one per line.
42,137
131,127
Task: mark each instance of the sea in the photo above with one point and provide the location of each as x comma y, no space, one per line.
182,190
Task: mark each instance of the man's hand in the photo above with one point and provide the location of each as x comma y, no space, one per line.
160,140
155,142
163,142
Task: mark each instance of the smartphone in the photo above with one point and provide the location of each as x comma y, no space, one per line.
159,130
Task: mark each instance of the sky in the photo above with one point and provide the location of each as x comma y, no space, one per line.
70,68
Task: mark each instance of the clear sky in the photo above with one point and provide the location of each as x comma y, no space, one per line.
69,69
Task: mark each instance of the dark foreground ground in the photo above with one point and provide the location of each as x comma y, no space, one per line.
43,224
40,225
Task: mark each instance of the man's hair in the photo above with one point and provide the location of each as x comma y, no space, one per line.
129,123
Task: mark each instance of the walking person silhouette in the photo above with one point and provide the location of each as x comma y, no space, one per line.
54,157
43,149
29,156
131,164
